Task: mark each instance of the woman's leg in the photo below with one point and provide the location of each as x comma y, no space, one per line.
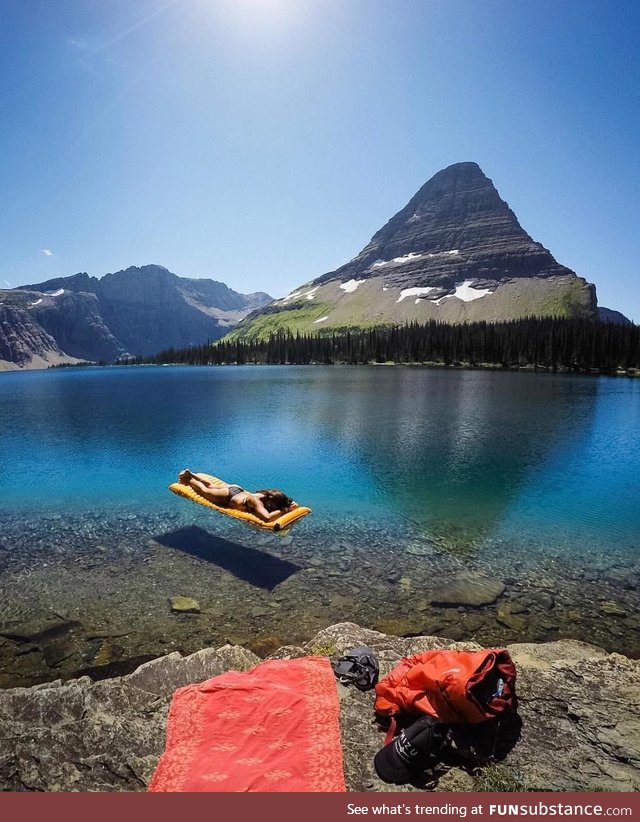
216,494
186,476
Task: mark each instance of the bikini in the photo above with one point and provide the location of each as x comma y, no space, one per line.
233,491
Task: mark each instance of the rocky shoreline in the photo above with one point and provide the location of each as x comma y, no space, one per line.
90,592
578,704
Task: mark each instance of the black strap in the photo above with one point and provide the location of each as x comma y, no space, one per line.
358,667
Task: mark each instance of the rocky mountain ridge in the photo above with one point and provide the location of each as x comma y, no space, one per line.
578,710
455,253
23,342
134,311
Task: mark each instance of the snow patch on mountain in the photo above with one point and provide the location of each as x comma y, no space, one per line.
414,292
351,285
466,292
398,260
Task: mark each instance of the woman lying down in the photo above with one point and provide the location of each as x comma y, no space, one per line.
268,504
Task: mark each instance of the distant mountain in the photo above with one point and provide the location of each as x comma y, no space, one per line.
23,342
609,315
135,311
455,252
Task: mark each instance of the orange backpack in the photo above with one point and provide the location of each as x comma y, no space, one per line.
452,686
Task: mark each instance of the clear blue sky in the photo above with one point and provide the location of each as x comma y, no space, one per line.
262,142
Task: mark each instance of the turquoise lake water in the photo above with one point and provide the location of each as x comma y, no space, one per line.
415,476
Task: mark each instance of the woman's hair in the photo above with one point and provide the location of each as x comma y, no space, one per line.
274,500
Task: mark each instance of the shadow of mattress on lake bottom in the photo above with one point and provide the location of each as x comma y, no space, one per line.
253,566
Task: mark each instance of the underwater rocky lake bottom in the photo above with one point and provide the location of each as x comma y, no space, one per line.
496,506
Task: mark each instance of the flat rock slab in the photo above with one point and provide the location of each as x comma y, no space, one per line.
400,627
470,589
184,605
36,631
99,736
507,617
579,707
612,608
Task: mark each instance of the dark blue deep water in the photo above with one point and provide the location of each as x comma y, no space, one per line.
415,476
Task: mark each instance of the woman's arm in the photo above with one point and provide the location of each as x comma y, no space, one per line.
261,511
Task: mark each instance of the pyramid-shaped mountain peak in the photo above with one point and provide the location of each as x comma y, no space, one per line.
456,252
458,213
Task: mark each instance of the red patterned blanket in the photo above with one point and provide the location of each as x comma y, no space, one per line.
273,728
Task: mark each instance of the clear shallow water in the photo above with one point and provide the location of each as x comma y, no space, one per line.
415,476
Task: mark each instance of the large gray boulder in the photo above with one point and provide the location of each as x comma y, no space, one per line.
578,705
99,736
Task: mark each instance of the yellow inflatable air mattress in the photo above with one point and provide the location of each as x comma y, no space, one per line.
276,525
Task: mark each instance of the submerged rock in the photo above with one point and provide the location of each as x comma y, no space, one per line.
399,627
263,646
184,605
55,652
37,631
506,616
107,652
470,589
612,608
